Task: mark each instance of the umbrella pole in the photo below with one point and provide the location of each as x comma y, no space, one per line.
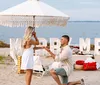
34,23
34,31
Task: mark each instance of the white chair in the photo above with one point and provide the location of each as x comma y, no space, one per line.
38,66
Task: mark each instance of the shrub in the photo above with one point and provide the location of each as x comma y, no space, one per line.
4,45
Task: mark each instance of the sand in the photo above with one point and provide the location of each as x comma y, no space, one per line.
4,51
8,75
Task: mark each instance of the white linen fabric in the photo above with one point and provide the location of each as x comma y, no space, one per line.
27,59
64,60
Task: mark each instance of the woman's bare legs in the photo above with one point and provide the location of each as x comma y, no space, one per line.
28,76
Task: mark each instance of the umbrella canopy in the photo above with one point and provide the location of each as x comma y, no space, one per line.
33,13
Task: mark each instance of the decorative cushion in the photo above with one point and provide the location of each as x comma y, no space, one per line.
90,66
80,62
78,67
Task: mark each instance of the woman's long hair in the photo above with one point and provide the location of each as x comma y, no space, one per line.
27,34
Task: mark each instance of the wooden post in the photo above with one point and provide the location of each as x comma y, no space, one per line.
19,71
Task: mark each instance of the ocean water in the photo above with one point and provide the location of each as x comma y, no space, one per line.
75,30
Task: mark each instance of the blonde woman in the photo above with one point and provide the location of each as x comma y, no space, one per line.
27,57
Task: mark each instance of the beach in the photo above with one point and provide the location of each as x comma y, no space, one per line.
27,25
8,75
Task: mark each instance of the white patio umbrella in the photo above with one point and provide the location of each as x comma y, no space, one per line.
32,13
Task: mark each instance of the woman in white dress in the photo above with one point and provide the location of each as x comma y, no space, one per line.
28,57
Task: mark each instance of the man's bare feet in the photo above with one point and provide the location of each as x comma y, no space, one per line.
70,83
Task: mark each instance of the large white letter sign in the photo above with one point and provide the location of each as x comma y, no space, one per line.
55,45
42,42
84,45
70,41
97,46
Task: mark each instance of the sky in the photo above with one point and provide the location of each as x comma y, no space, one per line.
78,10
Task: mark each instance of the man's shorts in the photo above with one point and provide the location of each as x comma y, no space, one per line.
62,73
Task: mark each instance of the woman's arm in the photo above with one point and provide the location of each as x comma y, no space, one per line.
36,41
